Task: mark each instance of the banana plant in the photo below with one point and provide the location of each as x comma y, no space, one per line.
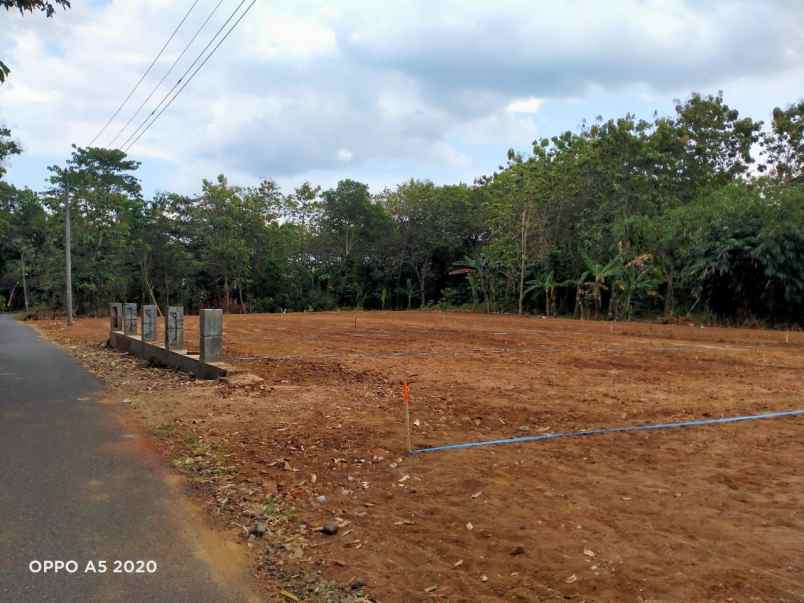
480,277
546,283
579,284
600,273
638,276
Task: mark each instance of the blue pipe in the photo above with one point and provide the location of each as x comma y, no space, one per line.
626,429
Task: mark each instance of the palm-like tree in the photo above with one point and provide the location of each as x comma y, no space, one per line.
637,276
600,273
546,283
479,274
580,292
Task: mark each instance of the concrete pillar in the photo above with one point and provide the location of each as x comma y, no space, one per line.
211,323
130,319
115,317
149,323
174,328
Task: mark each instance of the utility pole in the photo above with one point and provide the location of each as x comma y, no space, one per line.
68,262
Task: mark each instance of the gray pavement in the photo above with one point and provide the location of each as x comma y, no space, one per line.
74,486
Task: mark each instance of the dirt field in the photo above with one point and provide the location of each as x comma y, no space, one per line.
702,514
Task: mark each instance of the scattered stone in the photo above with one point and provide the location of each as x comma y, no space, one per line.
469,525
458,563
322,499
357,584
432,588
242,380
484,578
589,552
519,550
259,529
330,528
571,579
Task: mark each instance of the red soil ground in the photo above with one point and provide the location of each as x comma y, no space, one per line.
701,514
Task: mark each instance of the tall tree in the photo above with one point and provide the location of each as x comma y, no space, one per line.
784,144
105,200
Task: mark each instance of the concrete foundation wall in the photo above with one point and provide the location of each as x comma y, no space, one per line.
157,354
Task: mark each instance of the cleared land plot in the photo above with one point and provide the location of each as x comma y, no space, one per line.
700,514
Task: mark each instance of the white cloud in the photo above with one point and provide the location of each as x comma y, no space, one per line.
315,87
525,105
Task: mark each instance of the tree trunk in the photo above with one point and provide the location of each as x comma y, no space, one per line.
146,282
226,293
422,274
167,293
24,280
669,298
11,296
523,257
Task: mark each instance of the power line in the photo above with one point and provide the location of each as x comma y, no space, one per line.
183,75
169,71
144,75
133,139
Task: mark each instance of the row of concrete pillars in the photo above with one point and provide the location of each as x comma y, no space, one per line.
124,318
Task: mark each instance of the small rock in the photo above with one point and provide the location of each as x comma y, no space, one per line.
484,578
322,499
259,530
330,528
469,526
571,579
519,550
357,584
242,380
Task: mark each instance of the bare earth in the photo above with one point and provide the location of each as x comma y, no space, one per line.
700,514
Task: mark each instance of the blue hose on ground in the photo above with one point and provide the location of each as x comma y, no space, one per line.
627,429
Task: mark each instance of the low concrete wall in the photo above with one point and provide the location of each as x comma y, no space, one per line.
153,352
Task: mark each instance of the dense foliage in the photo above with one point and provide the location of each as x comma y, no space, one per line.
701,211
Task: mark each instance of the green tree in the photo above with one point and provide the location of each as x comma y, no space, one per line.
106,203
430,222
784,144
351,230
8,147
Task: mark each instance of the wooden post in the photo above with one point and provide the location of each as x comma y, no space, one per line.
406,398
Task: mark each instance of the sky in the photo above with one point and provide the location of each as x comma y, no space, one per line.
379,92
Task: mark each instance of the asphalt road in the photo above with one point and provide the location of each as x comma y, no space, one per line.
75,486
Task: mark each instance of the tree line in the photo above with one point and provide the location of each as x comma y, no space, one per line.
700,212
